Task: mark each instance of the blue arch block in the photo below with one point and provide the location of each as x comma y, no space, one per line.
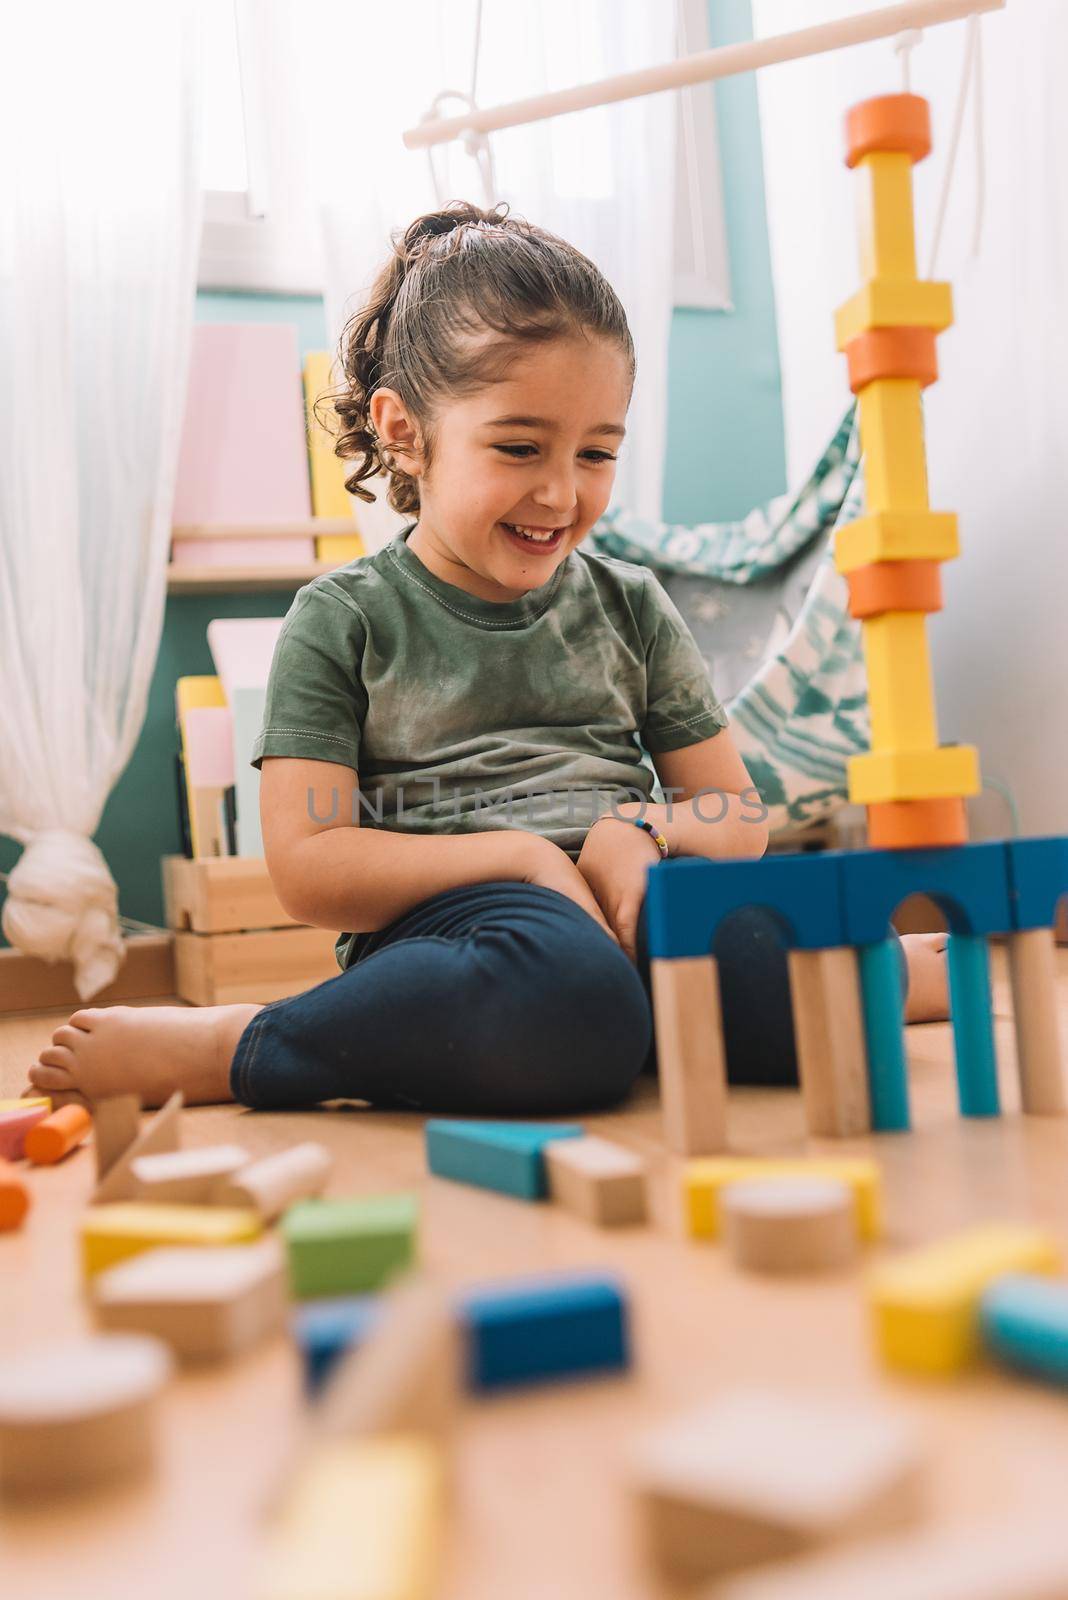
686,900
1038,876
969,881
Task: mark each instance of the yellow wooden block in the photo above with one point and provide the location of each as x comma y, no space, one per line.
329,496
884,216
945,773
896,536
192,693
28,1104
900,694
363,1521
339,548
891,438
894,303
702,1181
124,1228
925,1304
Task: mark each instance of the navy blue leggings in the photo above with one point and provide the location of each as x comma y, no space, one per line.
503,998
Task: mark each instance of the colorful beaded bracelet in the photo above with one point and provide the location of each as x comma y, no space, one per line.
654,834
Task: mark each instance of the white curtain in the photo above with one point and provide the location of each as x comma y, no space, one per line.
99,233
997,419
603,179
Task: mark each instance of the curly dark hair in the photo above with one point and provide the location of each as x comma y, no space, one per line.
454,273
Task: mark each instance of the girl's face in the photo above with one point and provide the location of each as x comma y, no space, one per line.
535,451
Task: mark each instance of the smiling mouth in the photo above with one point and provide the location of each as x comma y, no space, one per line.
537,539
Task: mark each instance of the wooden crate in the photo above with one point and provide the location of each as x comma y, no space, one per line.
232,939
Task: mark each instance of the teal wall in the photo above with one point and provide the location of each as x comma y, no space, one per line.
725,454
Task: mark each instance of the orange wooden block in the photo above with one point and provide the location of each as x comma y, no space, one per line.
14,1197
892,353
58,1135
888,122
895,586
917,824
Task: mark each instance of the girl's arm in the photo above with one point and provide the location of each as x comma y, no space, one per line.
712,807
331,873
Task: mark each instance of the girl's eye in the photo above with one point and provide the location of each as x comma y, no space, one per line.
524,451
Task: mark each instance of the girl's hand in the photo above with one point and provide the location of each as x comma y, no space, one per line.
553,868
613,861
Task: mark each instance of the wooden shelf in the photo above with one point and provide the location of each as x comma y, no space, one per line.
245,580
258,579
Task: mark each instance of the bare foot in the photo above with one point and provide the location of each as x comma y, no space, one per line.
144,1050
928,996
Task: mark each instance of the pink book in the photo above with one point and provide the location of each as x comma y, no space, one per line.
243,456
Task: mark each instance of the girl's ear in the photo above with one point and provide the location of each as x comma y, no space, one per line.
397,432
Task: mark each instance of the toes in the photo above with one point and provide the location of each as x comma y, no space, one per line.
84,1019
50,1076
68,1036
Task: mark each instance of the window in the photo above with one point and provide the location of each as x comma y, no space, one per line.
260,227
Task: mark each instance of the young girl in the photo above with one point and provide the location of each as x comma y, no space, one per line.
449,759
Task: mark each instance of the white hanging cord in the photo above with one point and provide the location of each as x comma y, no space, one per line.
476,145
904,45
970,70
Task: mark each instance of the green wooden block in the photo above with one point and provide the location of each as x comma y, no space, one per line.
349,1246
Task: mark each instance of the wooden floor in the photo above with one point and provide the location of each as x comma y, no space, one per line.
542,1508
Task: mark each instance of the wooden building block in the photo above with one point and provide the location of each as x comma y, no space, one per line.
276,1181
344,1246
828,1018
79,1413
539,1329
323,1330
206,1304
597,1180
893,303
885,226
899,679
757,1476
950,771
161,1132
1033,976
691,1056
116,1124
228,895
14,1197
891,438
925,1304
58,1135
1002,1558
25,1101
790,1224
703,1181
1024,1323
363,1519
506,1156
14,1126
405,1377
187,1177
896,536
110,1233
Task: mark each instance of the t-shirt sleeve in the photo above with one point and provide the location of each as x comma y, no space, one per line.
681,705
316,701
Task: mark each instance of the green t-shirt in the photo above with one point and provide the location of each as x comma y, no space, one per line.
462,714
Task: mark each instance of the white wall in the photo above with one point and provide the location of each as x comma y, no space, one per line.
997,420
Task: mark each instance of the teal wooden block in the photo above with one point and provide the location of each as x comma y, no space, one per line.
971,1009
884,1035
1024,1323
507,1156
348,1246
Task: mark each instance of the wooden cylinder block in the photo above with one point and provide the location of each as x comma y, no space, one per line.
79,1413
888,122
895,586
790,1224
916,824
892,353
270,1185
58,1134
1033,975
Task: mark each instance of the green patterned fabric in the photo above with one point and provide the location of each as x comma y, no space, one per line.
770,613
